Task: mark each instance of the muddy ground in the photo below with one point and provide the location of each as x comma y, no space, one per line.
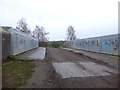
46,77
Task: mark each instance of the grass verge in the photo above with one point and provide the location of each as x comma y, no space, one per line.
15,74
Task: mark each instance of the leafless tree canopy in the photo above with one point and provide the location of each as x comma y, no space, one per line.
71,33
23,27
40,33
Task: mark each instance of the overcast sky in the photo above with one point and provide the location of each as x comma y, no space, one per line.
90,18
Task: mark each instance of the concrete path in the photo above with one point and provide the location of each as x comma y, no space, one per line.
35,54
109,59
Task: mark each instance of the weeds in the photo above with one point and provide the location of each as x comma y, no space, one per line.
15,74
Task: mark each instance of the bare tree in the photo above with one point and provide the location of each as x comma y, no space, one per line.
23,27
71,33
40,33
34,34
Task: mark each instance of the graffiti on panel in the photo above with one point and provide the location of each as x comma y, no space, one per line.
116,45
22,41
107,44
93,43
110,43
16,41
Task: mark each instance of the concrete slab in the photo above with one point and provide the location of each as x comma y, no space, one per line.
98,69
35,54
86,69
40,54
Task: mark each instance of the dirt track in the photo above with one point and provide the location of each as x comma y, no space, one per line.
46,76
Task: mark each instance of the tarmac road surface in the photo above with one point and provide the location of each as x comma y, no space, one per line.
64,69
78,71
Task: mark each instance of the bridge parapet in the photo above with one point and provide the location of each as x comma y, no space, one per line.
20,42
105,44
